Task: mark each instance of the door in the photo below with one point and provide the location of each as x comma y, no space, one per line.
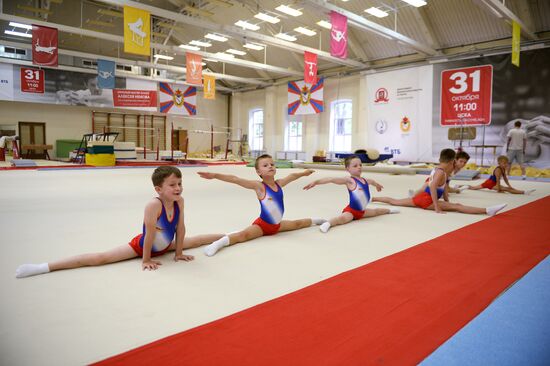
32,133
179,140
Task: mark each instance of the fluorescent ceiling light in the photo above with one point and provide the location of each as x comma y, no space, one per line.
286,37
188,47
200,44
307,32
376,12
246,25
268,18
324,24
417,3
288,10
164,57
20,34
224,55
215,37
236,52
19,25
253,46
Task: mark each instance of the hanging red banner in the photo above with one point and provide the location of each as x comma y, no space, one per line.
338,35
310,67
193,64
44,46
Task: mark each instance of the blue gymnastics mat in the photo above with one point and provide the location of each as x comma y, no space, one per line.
513,331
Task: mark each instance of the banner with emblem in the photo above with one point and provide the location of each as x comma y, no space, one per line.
178,99
44,46
137,28
516,41
193,68
105,74
209,87
304,98
310,67
338,35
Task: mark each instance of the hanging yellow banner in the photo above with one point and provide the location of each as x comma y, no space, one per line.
516,40
209,87
137,31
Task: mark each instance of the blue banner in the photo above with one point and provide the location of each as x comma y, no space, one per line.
105,74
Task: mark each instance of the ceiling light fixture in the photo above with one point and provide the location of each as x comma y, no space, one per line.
324,24
20,34
19,25
267,18
246,25
307,32
377,12
215,37
253,46
224,55
200,43
236,52
416,3
286,37
288,10
164,57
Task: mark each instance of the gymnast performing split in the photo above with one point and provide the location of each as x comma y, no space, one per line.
438,188
163,220
359,195
270,194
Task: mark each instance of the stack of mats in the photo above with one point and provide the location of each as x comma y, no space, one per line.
125,151
100,153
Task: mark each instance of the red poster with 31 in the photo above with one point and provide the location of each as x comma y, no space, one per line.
466,96
32,80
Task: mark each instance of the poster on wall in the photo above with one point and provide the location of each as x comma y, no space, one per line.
399,108
6,82
134,98
44,46
178,99
32,80
466,96
518,94
304,98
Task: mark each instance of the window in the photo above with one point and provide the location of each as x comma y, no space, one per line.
293,135
256,129
340,125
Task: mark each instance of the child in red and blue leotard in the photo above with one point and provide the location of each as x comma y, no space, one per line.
493,182
359,195
438,188
270,194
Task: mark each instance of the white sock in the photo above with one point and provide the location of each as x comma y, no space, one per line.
325,226
26,270
491,211
463,188
523,177
529,191
213,248
315,221
394,210
411,192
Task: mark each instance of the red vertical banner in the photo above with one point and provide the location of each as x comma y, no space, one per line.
466,96
44,46
338,35
193,65
310,67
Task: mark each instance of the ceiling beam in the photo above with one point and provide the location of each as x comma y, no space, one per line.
499,10
425,25
235,31
362,23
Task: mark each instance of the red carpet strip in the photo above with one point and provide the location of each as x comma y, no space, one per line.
394,311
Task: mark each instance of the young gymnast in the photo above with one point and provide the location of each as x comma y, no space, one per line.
359,195
162,221
461,160
493,182
270,194
437,188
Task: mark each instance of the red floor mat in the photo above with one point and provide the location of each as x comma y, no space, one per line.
394,311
